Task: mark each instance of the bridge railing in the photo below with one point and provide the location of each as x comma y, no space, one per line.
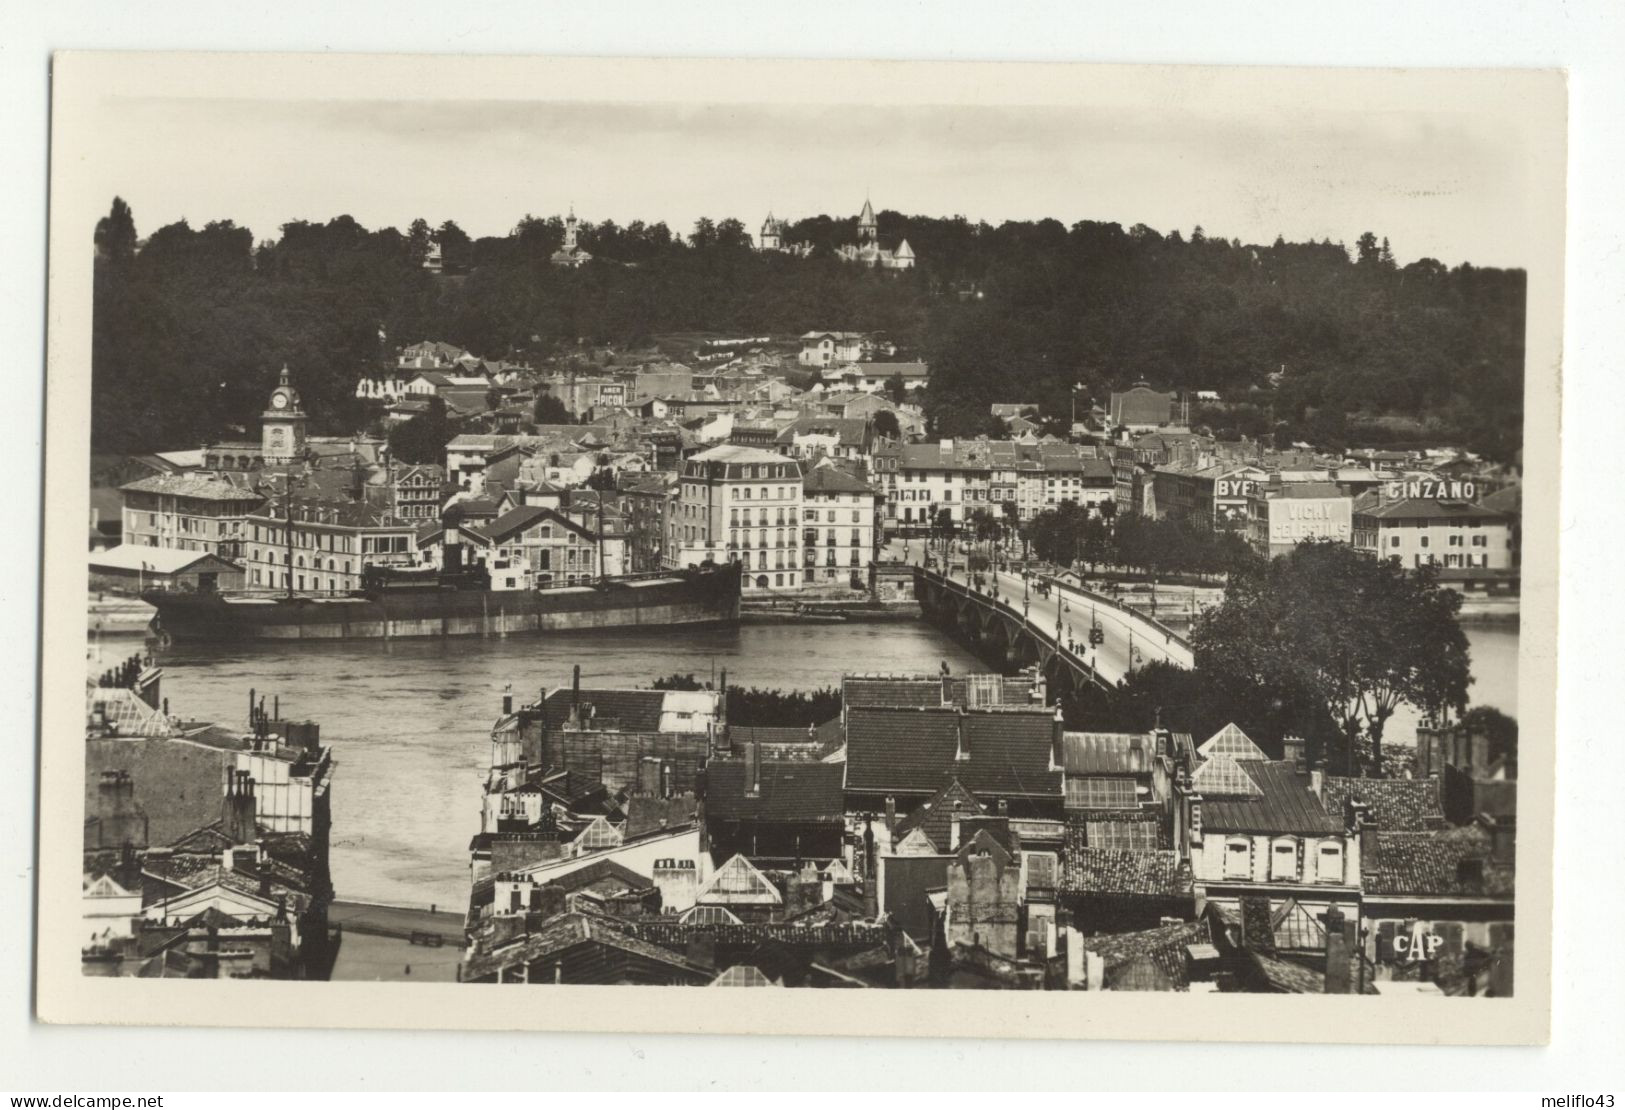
1117,606
1124,611
1035,629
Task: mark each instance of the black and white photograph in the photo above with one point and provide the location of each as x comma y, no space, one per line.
615,527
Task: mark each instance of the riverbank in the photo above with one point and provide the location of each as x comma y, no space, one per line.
822,612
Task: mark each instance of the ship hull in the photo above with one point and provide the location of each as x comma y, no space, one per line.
682,598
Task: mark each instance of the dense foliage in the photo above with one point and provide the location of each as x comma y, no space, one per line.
1022,311
1349,636
768,708
1069,535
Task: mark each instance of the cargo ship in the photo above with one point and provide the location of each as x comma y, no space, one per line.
406,604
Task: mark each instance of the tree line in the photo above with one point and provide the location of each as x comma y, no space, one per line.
1320,341
1070,534
1322,643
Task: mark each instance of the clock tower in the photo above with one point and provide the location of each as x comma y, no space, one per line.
283,424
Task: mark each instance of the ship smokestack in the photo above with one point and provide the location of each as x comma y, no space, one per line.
452,561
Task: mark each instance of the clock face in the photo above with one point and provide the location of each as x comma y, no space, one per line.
279,400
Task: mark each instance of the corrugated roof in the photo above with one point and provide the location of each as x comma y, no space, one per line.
1285,804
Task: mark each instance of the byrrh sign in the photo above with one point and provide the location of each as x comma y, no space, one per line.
1434,488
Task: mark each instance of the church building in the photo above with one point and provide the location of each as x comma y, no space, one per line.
867,251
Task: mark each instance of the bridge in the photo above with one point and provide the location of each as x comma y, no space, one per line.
1038,621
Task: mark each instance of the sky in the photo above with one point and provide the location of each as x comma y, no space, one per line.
1435,183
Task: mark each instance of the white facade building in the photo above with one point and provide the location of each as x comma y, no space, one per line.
740,505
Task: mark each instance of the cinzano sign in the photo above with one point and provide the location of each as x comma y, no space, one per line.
1435,488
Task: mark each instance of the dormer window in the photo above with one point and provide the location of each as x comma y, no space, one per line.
1283,860
1331,863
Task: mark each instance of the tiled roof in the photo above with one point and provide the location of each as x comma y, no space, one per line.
632,710
204,486
910,750
1397,805
565,931
935,817
769,734
1152,874
1422,863
1427,508
790,790
891,690
1286,977
647,814
829,479
1285,804
1164,946
1141,405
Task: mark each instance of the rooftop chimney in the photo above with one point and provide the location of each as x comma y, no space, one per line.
1503,832
237,808
1368,841
1057,751
1292,751
753,770
961,735
1337,952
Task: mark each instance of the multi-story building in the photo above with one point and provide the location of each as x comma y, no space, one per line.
826,348
545,547
1450,533
979,474
739,505
1255,825
318,546
1207,493
839,534
1069,476
1282,516
191,511
417,492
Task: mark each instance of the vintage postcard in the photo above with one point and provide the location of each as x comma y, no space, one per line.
616,528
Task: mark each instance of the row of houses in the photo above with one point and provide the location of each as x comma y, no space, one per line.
205,847
951,831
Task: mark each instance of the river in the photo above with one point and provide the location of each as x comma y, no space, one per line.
409,720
